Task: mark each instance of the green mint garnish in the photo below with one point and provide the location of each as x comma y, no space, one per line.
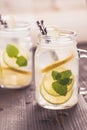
70,81
11,50
66,74
56,75
60,89
65,81
21,61
61,81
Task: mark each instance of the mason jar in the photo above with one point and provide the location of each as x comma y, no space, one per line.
57,69
15,56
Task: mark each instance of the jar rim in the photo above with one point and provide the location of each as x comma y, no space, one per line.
21,29
20,25
64,35
61,32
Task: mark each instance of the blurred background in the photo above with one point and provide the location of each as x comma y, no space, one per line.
67,14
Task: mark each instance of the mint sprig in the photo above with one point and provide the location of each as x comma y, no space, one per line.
66,74
12,52
21,61
65,81
59,88
56,75
61,81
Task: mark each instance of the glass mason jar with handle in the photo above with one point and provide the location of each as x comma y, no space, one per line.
57,70
15,56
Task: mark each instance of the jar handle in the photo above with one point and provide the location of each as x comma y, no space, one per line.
82,54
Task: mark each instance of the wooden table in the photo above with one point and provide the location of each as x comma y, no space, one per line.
20,111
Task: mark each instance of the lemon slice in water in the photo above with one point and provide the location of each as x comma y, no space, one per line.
48,80
15,79
11,62
57,64
55,100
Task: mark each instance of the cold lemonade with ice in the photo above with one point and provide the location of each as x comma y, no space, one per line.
56,70
15,55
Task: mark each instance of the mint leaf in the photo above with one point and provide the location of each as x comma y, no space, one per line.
56,75
11,50
65,81
21,61
70,81
60,89
66,74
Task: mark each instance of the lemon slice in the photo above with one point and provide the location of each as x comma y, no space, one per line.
55,100
14,79
57,64
48,80
11,61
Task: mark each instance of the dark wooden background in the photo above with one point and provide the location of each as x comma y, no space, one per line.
20,111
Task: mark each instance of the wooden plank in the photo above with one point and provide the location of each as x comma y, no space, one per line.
71,119
76,117
12,110
41,119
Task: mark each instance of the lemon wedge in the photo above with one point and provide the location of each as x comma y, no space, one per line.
57,64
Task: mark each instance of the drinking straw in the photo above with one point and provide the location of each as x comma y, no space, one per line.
43,31
42,28
2,22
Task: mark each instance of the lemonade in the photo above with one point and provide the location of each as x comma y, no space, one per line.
15,56
57,78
